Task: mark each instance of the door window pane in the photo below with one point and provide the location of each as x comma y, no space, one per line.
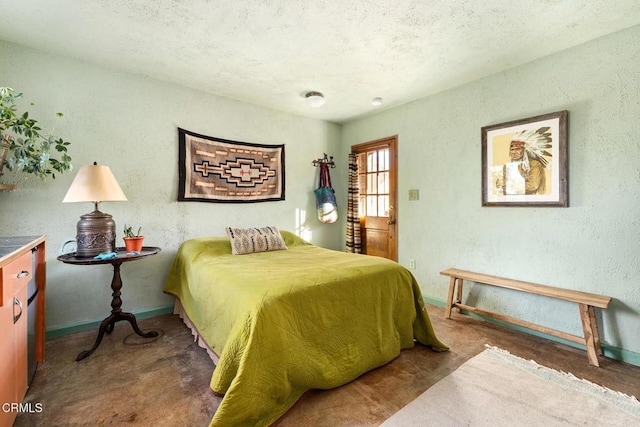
362,183
372,185
372,161
383,159
383,183
372,205
383,206
362,161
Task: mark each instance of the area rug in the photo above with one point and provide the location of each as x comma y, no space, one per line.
496,388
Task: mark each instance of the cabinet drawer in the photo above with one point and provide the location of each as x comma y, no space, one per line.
15,275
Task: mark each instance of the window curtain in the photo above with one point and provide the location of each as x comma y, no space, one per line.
354,244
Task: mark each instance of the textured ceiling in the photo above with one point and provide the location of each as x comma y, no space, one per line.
270,52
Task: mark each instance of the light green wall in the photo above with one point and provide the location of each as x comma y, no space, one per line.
129,123
592,246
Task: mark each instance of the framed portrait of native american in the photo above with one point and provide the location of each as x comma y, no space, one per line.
524,162
223,171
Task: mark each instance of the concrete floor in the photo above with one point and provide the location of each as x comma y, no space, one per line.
164,381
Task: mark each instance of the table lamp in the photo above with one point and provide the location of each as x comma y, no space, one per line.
96,231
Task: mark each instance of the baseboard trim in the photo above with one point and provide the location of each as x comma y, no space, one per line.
81,327
608,350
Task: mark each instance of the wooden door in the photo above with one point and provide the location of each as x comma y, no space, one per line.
377,173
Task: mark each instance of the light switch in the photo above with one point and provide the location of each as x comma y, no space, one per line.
413,195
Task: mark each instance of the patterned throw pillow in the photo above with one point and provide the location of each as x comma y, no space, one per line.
251,240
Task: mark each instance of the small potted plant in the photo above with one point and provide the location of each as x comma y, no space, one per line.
132,241
23,148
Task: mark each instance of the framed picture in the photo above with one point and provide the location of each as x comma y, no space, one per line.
223,171
524,162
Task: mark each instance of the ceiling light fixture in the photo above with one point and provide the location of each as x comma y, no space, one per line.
315,99
377,101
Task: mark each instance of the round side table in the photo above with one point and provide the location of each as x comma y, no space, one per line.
117,314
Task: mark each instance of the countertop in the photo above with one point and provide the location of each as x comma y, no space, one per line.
12,247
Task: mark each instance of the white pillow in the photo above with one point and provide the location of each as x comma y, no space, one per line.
251,240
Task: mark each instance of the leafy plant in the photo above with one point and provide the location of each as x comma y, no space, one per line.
128,231
23,147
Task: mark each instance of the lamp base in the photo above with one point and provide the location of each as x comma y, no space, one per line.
96,233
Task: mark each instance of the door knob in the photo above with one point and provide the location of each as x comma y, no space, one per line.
392,220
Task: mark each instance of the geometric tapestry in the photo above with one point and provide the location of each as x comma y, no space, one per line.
218,170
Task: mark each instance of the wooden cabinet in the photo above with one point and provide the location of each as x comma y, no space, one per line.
17,256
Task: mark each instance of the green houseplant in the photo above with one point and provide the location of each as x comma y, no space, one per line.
132,241
23,147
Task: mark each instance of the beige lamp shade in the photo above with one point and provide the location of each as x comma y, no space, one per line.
94,183
96,231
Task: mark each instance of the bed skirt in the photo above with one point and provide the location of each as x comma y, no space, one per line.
197,338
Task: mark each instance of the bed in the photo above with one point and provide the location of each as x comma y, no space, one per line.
281,322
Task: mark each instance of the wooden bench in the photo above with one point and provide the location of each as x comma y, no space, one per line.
586,303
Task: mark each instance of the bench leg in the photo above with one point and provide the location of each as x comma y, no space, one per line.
452,290
452,287
591,335
596,334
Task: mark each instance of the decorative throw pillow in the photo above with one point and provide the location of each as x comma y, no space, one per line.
251,240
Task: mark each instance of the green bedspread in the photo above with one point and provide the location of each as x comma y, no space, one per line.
284,322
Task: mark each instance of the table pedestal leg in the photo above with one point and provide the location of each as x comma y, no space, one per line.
117,315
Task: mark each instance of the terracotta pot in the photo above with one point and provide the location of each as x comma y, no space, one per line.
133,244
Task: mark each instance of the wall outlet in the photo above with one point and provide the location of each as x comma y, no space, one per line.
414,195
412,264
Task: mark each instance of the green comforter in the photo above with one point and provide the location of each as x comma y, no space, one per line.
284,322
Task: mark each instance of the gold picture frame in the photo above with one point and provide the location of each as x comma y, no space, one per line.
524,162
